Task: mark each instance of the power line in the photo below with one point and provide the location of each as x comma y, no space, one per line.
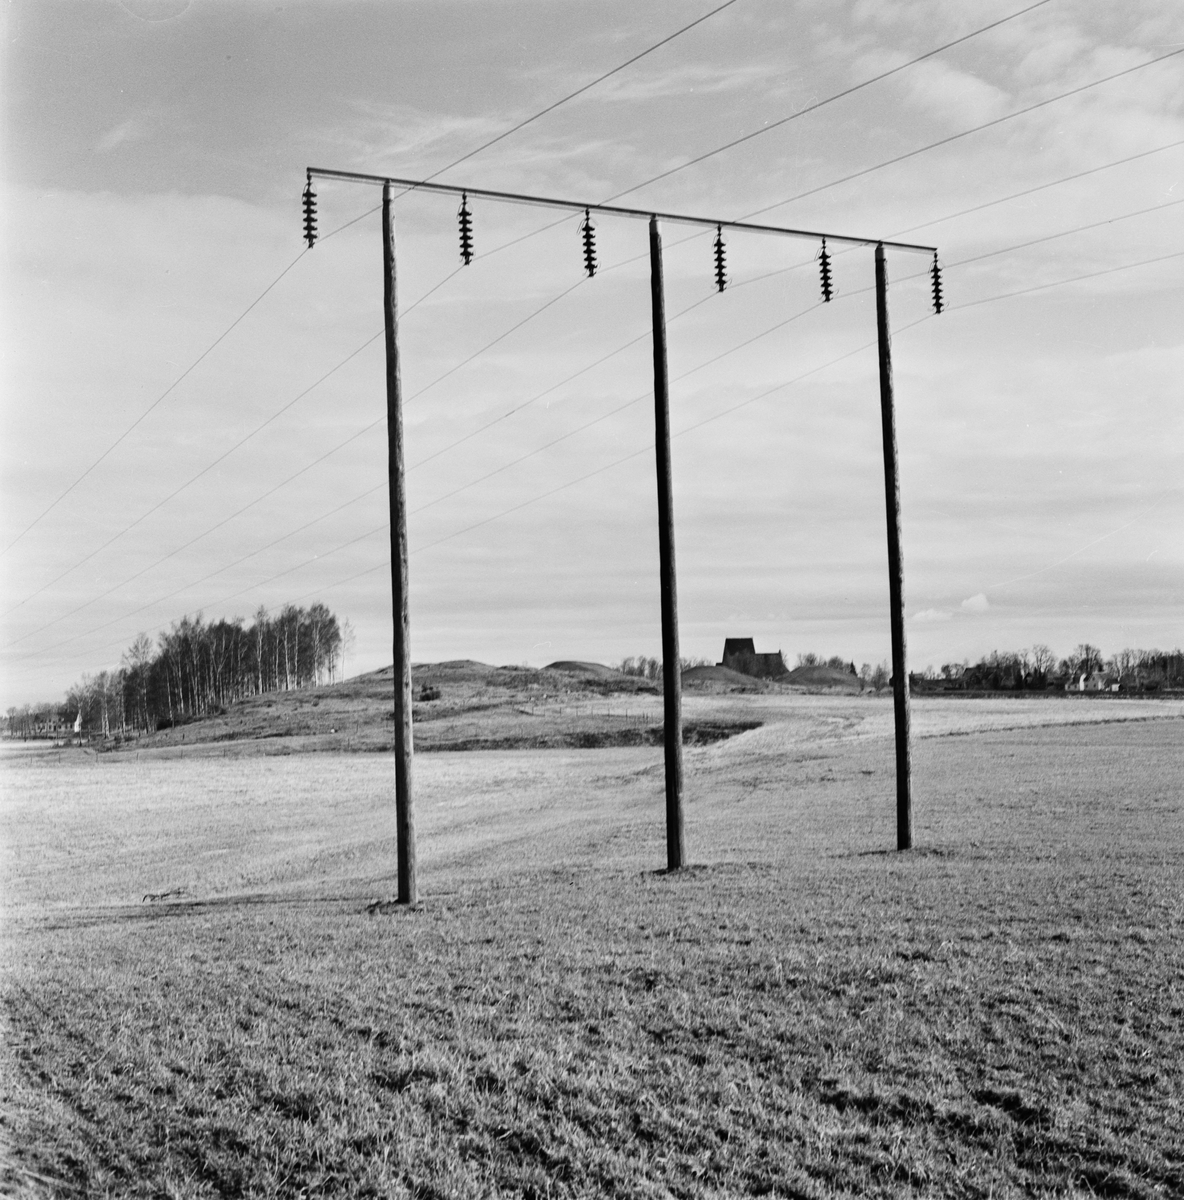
180,378
564,437
532,453
729,145
209,466
550,108
456,162
764,395
989,204
143,516
1064,233
581,90
829,100
1118,162
183,487
636,187
633,341
965,133
612,412
172,386
290,478
598,470
645,449
370,533
555,386
1040,287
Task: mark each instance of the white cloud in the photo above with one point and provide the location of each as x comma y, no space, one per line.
155,10
957,97
976,604
933,614
130,130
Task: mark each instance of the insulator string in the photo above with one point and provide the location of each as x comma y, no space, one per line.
588,230
310,213
466,229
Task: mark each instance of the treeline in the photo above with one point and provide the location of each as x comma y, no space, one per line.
1040,668
196,668
651,668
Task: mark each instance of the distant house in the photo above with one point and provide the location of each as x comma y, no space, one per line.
1092,681
740,655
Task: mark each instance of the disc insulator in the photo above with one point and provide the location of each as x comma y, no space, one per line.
721,270
935,271
310,214
589,233
828,290
466,229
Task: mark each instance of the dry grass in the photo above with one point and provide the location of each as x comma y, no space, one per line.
999,1013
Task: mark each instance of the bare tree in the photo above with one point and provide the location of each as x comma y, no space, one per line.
349,639
1043,659
1087,658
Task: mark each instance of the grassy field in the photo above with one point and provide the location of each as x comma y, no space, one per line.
802,1013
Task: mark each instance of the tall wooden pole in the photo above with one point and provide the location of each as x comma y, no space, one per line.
900,671
404,813
671,665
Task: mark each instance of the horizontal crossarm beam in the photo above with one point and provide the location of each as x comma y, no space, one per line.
645,214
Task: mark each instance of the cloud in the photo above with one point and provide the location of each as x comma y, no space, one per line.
976,604
127,131
155,10
934,614
956,96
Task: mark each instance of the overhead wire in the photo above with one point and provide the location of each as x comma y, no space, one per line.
1050,237
377,529
954,137
911,154
1040,287
763,395
170,389
757,212
602,469
303,470
837,96
588,424
155,403
493,141
1040,187
581,90
612,412
620,408
205,470
810,108
143,516
767,128
242,441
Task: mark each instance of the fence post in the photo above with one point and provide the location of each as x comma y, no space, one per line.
671,669
900,671
404,812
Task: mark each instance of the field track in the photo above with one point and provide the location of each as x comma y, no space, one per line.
207,993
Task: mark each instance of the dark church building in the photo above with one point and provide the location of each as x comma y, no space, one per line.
740,655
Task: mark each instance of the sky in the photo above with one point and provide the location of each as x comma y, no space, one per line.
194,402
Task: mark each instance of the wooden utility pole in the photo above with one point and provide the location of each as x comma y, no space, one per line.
404,812
671,665
900,671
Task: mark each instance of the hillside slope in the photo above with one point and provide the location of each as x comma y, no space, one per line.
458,705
